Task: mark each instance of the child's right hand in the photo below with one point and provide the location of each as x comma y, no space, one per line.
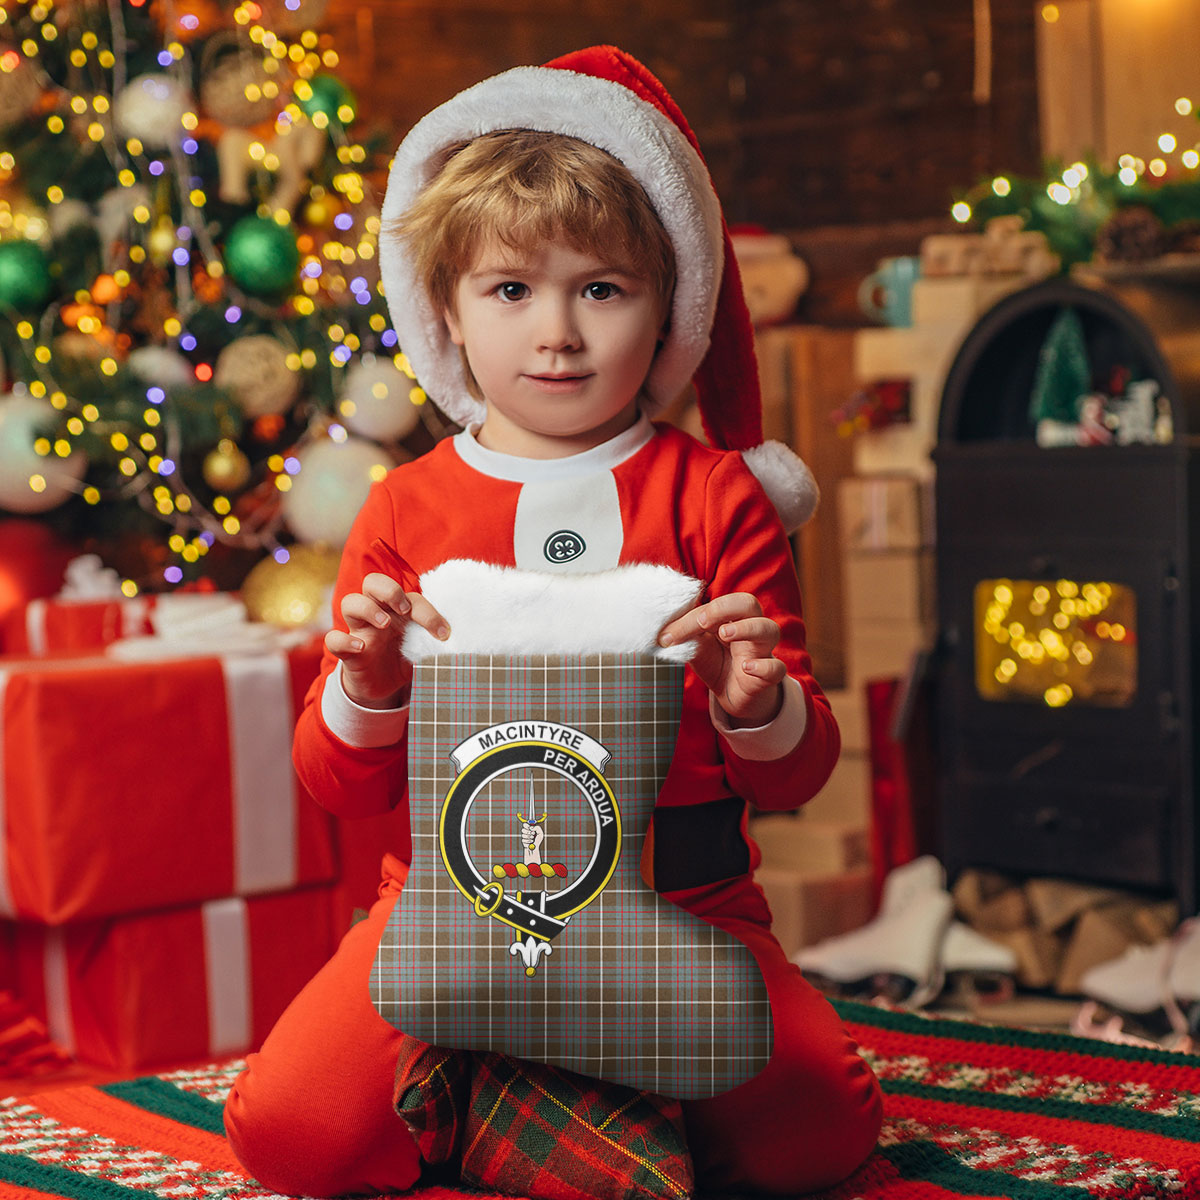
374,673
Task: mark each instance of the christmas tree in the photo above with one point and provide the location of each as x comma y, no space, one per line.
196,357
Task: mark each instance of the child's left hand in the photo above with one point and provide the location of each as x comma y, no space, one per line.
734,655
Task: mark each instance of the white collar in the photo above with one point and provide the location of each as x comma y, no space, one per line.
514,469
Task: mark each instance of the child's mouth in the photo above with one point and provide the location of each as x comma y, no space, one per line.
558,383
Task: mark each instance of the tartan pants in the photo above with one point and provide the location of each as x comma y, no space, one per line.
312,1112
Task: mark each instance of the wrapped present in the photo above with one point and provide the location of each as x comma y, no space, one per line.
172,987
129,786
52,624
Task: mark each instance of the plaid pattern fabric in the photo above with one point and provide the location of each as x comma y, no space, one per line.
533,1130
431,1097
631,988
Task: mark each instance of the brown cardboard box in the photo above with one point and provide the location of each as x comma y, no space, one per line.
800,842
846,797
807,908
888,586
1099,935
885,512
850,711
884,649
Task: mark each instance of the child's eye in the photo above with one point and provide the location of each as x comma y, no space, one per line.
601,291
512,291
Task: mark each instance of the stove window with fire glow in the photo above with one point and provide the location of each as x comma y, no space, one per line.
1056,642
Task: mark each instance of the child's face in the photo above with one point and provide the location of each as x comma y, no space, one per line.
559,343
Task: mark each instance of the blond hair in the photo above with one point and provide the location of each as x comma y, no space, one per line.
520,188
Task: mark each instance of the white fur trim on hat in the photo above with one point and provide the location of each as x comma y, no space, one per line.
504,610
604,114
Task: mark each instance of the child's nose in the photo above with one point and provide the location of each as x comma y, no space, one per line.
557,328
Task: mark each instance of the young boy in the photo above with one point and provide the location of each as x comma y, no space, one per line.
557,266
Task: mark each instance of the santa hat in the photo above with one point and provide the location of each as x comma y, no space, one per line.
607,98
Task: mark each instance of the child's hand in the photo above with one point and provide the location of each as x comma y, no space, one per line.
734,655
374,674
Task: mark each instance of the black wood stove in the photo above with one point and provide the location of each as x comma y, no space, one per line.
1067,665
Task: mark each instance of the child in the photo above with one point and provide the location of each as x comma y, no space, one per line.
557,265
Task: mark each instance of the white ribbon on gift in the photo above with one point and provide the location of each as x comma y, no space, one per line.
258,695
226,972
132,615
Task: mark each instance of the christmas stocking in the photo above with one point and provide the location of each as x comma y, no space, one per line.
525,926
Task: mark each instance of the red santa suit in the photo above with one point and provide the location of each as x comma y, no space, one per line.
313,1111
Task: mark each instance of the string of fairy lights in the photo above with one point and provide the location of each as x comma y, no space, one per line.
295,279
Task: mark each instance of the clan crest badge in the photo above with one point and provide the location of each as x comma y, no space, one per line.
531,892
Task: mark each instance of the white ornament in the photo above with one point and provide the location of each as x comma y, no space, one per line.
151,108
162,366
255,370
330,488
29,482
375,400
66,215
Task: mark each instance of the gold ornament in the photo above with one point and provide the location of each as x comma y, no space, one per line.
162,242
236,87
255,370
226,468
295,593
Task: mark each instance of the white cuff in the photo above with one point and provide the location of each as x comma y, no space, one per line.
775,739
356,725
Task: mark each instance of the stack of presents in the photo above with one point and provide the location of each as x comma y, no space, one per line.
166,884
823,869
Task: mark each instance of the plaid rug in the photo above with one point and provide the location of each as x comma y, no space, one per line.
972,1110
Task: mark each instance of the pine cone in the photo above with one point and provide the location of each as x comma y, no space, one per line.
1132,234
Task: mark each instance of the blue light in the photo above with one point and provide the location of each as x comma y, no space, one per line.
155,395
183,233
359,284
281,555
187,342
190,145
173,575
165,58
291,465
343,221
341,354
208,538
312,269
233,314
180,256
166,467
156,168
388,337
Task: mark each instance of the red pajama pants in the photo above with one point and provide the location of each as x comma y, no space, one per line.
312,1112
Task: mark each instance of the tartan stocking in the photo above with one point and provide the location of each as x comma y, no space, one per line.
525,926
432,1087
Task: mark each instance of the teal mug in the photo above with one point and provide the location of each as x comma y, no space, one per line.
886,294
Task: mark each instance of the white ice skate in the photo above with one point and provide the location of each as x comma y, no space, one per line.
898,953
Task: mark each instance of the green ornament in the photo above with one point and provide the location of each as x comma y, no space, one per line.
1064,375
24,275
328,95
262,256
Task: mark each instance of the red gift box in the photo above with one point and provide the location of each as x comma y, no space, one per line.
173,987
49,626
131,786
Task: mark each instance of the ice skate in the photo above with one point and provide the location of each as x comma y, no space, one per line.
1152,989
898,953
978,965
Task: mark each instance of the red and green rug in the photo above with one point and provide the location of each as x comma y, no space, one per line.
972,1110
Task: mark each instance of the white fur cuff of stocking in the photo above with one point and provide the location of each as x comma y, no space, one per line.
503,610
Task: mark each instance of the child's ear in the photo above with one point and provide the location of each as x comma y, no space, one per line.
452,327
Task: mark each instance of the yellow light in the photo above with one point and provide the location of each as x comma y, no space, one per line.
54,194
141,214
90,412
37,388
95,132
91,495
190,554
961,212
127,467
152,417
119,441
197,197
304,306
1057,697
417,396
89,41
108,366
129,588
134,146
75,426
59,400
42,354
172,327
126,178
1190,159
377,473
137,254
1128,176
1059,193
177,542
275,462
41,446
107,59
308,358
221,505
1166,142
78,58
283,482
1158,168
1071,177
147,442
1050,13
231,525
55,124
1118,632
37,483
183,503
